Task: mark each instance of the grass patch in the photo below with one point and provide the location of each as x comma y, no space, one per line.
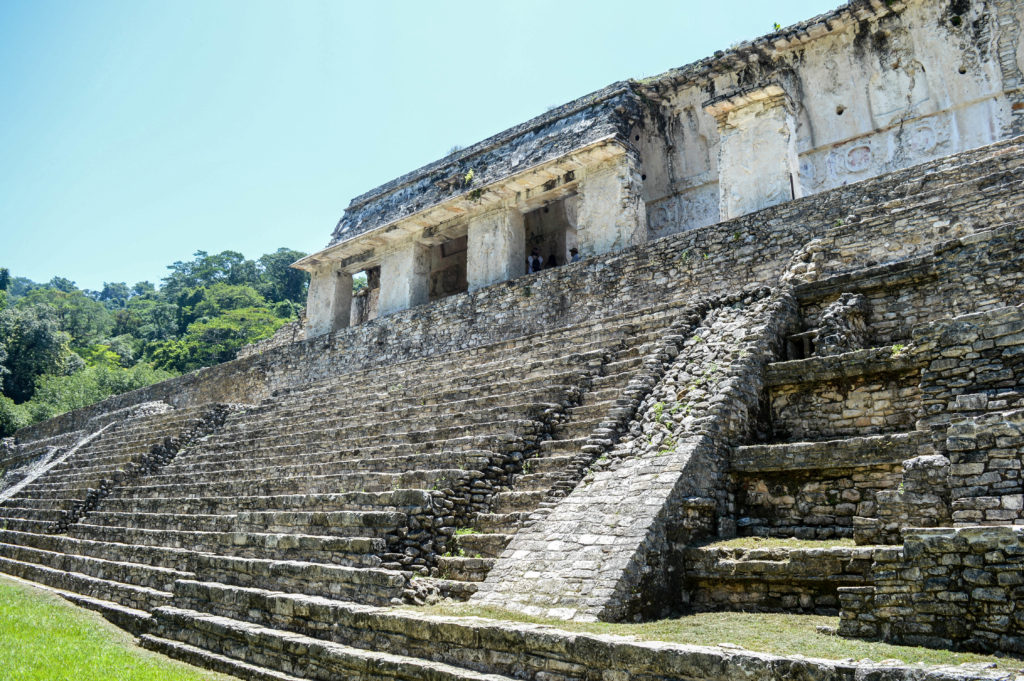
777,543
780,634
44,638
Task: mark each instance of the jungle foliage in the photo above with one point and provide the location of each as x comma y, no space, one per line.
62,347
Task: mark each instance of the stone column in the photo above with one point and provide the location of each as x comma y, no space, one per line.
328,301
404,278
609,210
757,160
496,249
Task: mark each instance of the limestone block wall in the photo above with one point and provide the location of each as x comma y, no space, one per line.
985,455
771,579
859,405
946,588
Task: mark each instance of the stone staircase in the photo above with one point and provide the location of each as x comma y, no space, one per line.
268,540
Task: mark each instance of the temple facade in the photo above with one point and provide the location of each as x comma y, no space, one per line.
862,91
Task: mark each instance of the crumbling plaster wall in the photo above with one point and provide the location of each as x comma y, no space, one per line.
931,79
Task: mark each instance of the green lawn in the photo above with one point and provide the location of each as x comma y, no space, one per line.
780,634
44,638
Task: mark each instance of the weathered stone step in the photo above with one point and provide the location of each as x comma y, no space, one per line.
45,514
501,523
166,521
554,463
367,482
372,586
383,424
156,556
513,378
317,463
331,414
466,444
336,523
534,482
353,551
310,657
138,574
200,657
405,500
137,597
802,578
368,437
842,366
483,545
831,454
464,568
508,502
569,447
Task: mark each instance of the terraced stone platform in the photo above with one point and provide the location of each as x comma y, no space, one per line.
838,372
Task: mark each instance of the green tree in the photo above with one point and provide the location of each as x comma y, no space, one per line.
35,345
84,319
216,340
278,280
229,267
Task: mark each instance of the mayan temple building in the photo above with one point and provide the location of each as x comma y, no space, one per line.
776,293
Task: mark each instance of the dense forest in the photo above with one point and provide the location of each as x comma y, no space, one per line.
62,347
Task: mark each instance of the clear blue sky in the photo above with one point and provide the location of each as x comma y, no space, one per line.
135,132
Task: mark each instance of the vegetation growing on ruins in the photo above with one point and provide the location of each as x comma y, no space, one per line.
62,347
44,638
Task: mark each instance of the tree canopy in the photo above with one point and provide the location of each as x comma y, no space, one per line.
62,347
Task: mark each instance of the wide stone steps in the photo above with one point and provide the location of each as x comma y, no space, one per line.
200,657
317,463
501,523
318,484
510,502
333,523
464,568
430,433
850,452
522,376
353,551
137,574
386,423
155,556
482,545
310,658
468,444
406,500
534,481
371,586
137,597
551,463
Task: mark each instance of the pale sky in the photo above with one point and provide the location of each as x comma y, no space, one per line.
135,132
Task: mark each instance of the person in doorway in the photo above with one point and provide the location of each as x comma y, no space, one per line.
534,263
574,255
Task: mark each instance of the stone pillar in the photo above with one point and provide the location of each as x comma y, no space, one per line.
609,211
404,278
328,301
496,249
757,160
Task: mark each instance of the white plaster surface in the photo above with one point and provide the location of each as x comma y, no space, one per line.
757,157
610,213
497,248
328,300
404,278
